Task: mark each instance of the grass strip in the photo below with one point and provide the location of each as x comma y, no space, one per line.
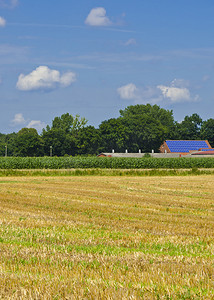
105,172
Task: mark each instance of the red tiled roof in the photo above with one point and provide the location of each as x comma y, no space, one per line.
210,152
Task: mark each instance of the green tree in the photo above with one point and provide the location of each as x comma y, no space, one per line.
60,142
189,128
3,144
88,140
8,141
207,131
62,135
114,135
68,123
148,126
28,143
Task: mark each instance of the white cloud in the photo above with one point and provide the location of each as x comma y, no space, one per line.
38,125
44,78
128,91
2,22
67,78
180,83
97,17
18,120
176,92
139,95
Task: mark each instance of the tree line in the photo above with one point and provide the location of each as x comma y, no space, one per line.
142,127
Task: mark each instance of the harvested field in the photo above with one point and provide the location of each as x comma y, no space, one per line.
107,237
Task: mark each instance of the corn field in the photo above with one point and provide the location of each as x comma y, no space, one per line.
103,163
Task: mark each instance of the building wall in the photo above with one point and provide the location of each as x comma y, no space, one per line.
164,148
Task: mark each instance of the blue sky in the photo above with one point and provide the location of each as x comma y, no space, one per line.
94,58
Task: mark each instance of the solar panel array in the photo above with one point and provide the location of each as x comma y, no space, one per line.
207,149
185,146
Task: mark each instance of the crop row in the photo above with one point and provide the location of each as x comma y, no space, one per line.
103,163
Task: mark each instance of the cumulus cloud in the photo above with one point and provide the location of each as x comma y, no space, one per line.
97,17
18,120
141,95
67,79
128,91
8,3
44,78
38,125
2,22
176,92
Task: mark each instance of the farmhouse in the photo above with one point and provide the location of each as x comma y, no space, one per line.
172,148
137,155
185,147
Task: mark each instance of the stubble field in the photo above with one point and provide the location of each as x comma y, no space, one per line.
107,237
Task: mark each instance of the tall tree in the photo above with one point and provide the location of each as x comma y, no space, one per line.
7,143
207,131
62,135
114,135
189,128
88,140
59,141
148,126
28,143
68,123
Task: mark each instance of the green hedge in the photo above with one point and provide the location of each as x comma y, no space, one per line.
103,162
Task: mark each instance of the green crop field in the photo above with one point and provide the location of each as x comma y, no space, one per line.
104,163
107,237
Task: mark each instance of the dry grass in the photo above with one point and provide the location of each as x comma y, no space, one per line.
97,237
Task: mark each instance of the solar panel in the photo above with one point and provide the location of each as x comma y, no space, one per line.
207,149
185,146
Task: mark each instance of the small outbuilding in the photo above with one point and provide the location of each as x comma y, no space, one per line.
204,152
